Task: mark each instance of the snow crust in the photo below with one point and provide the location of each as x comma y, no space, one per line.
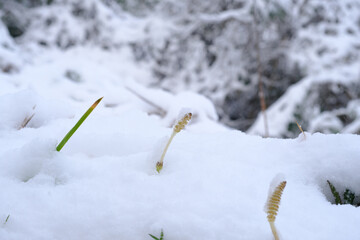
214,184
215,180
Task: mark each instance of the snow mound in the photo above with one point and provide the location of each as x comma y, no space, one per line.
103,184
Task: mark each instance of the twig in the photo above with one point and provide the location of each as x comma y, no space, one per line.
299,126
259,73
302,7
162,111
27,120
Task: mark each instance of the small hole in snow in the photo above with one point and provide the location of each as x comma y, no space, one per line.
339,194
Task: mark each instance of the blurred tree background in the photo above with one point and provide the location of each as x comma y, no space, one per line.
305,53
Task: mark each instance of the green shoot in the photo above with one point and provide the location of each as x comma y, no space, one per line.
77,125
7,219
349,197
177,128
161,236
335,193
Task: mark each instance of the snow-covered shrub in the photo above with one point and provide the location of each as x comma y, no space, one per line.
137,7
215,48
213,51
329,112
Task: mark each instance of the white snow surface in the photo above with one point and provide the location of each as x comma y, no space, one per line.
103,185
214,184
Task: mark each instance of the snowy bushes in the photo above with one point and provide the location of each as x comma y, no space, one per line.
207,47
213,51
333,109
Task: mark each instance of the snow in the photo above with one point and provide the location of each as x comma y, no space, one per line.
215,180
103,184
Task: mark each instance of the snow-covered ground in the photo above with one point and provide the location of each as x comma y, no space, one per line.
103,183
214,184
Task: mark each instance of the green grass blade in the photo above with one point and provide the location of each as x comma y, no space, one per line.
7,219
162,235
77,125
153,237
335,193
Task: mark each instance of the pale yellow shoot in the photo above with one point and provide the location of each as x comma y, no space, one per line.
180,125
299,126
272,207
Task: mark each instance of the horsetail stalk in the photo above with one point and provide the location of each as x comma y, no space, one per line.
272,207
180,125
